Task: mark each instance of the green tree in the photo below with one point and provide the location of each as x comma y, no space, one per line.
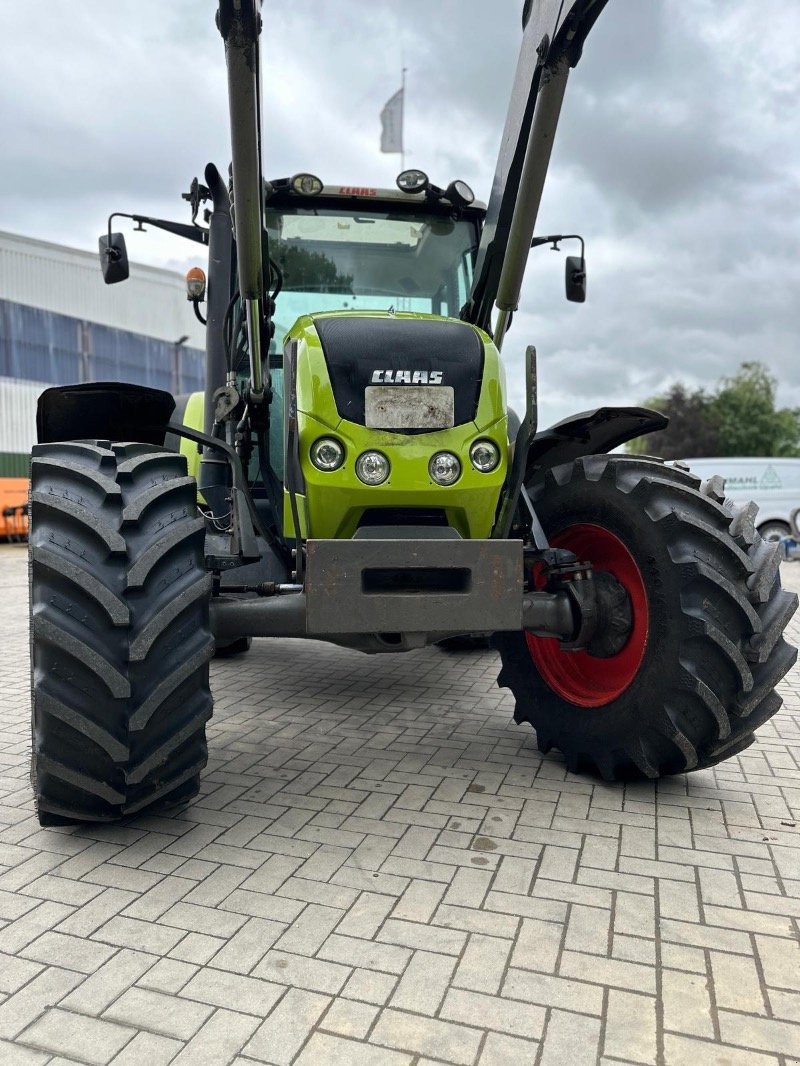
305,271
739,417
749,423
692,428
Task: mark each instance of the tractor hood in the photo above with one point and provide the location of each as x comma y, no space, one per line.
409,387
364,350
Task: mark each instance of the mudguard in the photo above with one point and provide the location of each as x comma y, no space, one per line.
103,410
589,433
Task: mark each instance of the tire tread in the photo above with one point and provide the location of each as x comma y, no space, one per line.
98,516
739,649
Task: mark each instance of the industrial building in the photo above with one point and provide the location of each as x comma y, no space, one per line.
60,323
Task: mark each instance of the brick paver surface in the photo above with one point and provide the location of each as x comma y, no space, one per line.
381,869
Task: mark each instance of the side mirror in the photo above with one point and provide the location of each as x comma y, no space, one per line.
575,279
113,258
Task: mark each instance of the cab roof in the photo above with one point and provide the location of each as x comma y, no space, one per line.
281,192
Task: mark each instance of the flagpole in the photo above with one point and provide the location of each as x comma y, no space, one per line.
403,118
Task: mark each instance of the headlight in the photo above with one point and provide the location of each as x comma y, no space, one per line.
327,454
372,468
484,455
444,468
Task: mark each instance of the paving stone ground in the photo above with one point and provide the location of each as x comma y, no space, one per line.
381,870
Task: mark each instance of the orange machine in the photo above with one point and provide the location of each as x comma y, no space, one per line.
14,508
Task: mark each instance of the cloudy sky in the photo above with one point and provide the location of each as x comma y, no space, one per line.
678,155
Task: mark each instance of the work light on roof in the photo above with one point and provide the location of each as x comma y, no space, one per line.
412,181
459,194
307,184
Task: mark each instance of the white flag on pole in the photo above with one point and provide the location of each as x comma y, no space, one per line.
392,124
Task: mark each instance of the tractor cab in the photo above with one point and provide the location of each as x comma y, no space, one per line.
345,248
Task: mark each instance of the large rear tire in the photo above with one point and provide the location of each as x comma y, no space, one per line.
698,672
120,637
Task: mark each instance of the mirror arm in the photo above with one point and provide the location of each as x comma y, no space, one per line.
576,267
537,242
180,229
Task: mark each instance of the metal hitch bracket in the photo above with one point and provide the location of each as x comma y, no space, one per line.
413,585
387,595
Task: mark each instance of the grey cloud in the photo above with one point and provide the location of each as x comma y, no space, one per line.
677,157
682,174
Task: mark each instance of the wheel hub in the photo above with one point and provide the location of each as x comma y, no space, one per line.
599,672
614,616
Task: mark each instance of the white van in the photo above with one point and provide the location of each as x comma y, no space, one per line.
774,484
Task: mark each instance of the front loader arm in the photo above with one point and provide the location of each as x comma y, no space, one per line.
239,22
555,31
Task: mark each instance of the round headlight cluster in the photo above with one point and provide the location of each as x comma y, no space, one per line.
484,456
444,468
327,454
372,468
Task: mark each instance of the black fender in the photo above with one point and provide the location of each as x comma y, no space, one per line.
172,442
589,433
104,410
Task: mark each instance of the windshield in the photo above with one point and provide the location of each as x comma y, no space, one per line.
336,259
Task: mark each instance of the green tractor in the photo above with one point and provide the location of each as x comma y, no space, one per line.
352,473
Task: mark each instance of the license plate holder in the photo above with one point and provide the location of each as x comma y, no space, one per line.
403,407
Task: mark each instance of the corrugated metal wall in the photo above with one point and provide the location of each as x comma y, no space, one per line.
17,424
18,414
37,345
61,324
69,282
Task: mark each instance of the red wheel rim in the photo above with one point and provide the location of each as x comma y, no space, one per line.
577,676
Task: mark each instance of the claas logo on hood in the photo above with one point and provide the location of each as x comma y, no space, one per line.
406,377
